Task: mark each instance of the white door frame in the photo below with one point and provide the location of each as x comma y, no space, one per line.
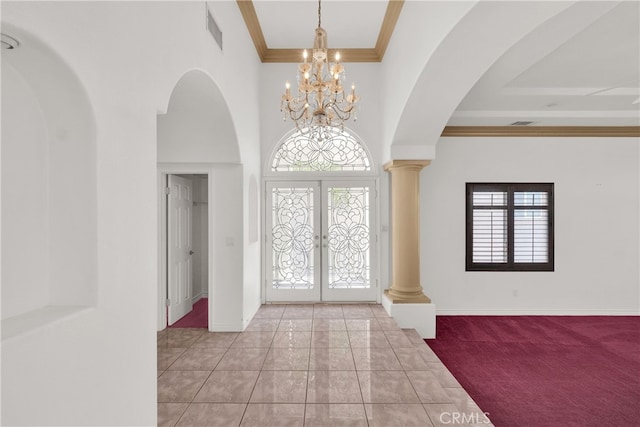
350,177
165,169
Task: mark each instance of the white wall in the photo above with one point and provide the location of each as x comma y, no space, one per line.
226,300
596,226
98,366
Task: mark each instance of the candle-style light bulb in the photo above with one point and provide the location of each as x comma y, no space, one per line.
287,85
337,56
306,75
305,54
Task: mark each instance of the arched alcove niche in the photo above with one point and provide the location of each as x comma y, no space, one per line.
49,204
197,136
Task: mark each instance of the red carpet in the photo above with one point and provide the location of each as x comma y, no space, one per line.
197,318
546,370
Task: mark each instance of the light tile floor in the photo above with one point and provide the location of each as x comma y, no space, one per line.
308,365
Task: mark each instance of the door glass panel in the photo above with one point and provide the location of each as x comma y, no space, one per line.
292,231
348,238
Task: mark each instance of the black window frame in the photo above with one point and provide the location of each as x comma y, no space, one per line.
510,189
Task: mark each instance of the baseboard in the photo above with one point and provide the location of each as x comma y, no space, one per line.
249,318
198,297
546,312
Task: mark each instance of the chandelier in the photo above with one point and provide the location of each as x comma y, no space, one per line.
320,100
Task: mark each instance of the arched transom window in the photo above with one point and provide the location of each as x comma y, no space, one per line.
321,149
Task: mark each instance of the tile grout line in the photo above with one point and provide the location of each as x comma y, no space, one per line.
198,391
364,408
244,413
414,388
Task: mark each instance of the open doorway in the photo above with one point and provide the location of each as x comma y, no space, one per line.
187,250
196,135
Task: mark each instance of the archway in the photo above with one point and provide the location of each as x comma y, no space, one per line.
197,136
445,80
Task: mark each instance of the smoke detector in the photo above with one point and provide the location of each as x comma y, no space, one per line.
9,42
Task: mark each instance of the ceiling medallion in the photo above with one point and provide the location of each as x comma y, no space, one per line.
320,99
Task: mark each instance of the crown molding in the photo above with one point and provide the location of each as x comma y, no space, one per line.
250,17
268,55
542,131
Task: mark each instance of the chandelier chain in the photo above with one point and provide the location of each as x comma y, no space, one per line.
319,13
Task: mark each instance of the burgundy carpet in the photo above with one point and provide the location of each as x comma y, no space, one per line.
197,318
546,370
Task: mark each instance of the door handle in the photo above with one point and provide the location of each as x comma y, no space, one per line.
191,252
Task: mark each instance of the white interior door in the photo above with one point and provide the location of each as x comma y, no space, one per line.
320,240
180,264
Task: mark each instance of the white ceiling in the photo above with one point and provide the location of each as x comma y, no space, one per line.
292,24
581,68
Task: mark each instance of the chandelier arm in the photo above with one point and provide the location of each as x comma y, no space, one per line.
337,107
293,109
341,115
294,117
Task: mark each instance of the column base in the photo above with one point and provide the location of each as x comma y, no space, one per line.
400,297
418,316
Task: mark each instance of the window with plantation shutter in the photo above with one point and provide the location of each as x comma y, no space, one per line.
509,227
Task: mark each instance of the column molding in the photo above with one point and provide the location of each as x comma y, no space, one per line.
405,229
394,164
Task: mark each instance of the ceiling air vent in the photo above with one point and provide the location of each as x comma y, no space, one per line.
213,28
521,123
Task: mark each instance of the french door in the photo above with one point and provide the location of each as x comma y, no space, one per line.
320,241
